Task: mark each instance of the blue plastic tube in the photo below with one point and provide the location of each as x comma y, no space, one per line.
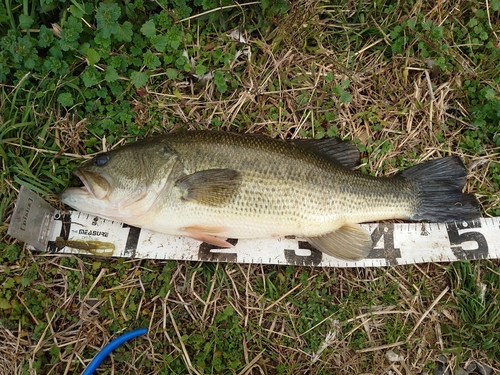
112,346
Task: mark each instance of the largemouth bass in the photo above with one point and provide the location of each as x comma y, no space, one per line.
214,185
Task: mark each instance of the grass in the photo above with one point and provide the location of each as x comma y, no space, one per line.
405,81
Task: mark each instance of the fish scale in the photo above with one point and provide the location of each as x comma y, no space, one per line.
309,186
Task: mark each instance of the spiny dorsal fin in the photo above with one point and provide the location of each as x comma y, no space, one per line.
350,242
211,187
340,152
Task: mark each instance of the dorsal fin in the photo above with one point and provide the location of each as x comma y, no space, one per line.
340,152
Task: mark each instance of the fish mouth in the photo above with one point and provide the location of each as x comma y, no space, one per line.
92,183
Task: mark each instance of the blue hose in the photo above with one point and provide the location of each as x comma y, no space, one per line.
112,346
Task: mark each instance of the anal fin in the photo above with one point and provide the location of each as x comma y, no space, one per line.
350,242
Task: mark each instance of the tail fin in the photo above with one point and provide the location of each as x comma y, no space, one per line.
440,183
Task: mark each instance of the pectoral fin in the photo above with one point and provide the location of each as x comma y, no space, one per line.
349,242
211,187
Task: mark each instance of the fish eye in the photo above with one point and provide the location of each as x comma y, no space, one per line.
102,160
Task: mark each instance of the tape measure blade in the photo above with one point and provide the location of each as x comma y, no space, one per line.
405,243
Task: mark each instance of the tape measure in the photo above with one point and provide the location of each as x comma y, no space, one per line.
37,223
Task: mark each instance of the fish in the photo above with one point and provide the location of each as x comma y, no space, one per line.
213,186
